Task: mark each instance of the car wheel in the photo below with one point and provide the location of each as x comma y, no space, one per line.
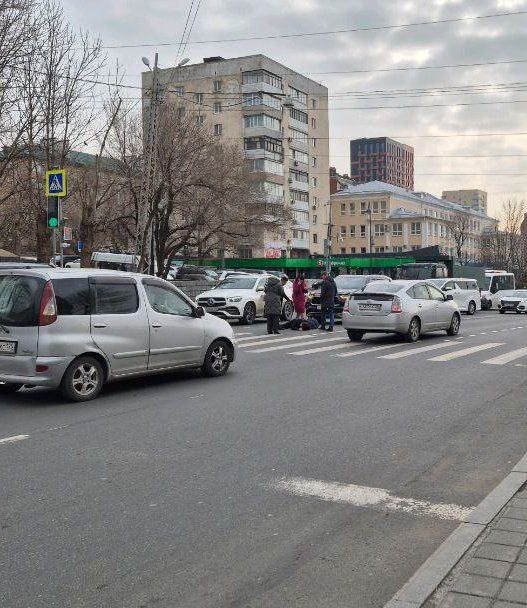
471,308
355,335
6,388
249,314
453,330
216,361
83,379
414,330
288,311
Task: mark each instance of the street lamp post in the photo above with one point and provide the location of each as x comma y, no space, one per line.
328,241
286,104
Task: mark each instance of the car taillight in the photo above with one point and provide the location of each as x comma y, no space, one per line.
48,309
396,305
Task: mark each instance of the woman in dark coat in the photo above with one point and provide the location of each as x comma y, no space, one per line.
273,295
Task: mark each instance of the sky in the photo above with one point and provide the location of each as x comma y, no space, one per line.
134,22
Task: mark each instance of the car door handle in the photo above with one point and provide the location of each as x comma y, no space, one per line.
157,325
99,325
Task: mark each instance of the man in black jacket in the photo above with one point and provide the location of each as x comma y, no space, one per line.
328,292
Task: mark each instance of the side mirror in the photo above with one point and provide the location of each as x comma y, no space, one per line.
449,297
199,312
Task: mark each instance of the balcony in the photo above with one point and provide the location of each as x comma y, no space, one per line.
261,132
298,144
299,126
261,87
261,153
300,225
302,186
300,205
299,243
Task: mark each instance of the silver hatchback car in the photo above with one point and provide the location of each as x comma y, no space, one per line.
78,328
409,308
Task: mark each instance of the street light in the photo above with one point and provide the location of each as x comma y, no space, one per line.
146,61
183,62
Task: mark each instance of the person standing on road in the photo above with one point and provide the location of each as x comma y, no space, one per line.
273,295
299,296
328,292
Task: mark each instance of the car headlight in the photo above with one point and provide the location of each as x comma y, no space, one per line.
236,299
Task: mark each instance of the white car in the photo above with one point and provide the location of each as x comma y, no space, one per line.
465,292
512,300
241,298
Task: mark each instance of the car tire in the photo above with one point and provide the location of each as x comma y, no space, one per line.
455,323
414,330
471,308
8,388
249,314
83,380
217,360
288,311
355,335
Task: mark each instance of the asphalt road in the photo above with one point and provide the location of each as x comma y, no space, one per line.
196,493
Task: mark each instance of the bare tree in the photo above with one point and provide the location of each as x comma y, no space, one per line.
459,231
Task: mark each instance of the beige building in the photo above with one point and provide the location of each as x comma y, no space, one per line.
475,199
401,220
280,119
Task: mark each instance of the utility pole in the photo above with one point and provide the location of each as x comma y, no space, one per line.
144,244
327,242
371,235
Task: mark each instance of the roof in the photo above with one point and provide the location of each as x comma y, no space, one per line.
378,187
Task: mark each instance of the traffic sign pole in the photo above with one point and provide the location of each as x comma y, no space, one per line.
55,189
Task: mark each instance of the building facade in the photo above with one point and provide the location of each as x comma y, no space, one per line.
382,159
382,218
337,182
475,199
280,119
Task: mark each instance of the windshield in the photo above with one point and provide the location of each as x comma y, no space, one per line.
237,283
20,300
438,282
350,282
380,287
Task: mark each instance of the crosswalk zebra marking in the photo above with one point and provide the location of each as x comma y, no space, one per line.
466,351
507,357
416,351
273,339
367,350
284,346
344,344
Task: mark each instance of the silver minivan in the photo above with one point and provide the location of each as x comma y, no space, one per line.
76,329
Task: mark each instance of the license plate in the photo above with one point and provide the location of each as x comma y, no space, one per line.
8,347
212,308
369,307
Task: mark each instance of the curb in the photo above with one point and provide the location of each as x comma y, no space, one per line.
416,591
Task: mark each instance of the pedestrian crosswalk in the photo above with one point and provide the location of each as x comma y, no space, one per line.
432,348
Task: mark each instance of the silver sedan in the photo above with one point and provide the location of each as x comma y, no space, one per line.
409,308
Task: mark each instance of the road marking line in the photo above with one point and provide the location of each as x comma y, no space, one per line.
13,439
244,333
363,496
301,336
483,333
309,351
368,350
495,331
257,337
507,357
414,351
283,346
466,351
471,335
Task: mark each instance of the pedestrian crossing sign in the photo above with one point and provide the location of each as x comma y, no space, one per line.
56,182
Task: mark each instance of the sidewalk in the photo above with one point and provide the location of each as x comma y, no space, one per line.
493,573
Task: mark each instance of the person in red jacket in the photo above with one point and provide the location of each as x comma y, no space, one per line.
299,296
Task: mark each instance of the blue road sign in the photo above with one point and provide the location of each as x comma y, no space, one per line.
56,182
80,245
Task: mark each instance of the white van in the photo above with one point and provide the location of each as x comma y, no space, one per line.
464,291
496,280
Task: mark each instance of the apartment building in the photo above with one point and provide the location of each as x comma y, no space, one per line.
384,218
337,182
382,159
280,119
475,199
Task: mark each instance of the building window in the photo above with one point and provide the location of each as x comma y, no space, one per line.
379,249
295,135
315,200
343,231
315,239
218,129
298,95
298,115
217,107
313,104
363,208
179,90
299,176
363,249
262,120
352,208
266,166
301,216
314,142
363,231
199,120
262,76
352,232
342,208
198,98
315,218
315,182
271,189
216,86
301,157
383,206
313,123
258,99
379,230
314,161
397,230
415,228
269,144
297,196
375,206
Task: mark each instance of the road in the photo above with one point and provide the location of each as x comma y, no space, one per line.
197,493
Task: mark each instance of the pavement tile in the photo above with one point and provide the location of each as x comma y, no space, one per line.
477,585
514,592
519,573
460,600
522,559
501,537
516,513
487,567
498,552
512,525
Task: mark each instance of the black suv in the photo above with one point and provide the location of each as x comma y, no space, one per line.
347,284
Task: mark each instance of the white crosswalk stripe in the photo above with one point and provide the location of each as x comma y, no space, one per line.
310,351
466,351
415,351
371,349
306,343
507,357
274,339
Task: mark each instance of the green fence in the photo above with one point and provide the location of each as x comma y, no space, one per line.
306,263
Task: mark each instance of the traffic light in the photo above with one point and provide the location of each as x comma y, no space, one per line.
53,212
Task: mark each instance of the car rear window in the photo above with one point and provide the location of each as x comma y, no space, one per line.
20,300
114,298
380,287
72,296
